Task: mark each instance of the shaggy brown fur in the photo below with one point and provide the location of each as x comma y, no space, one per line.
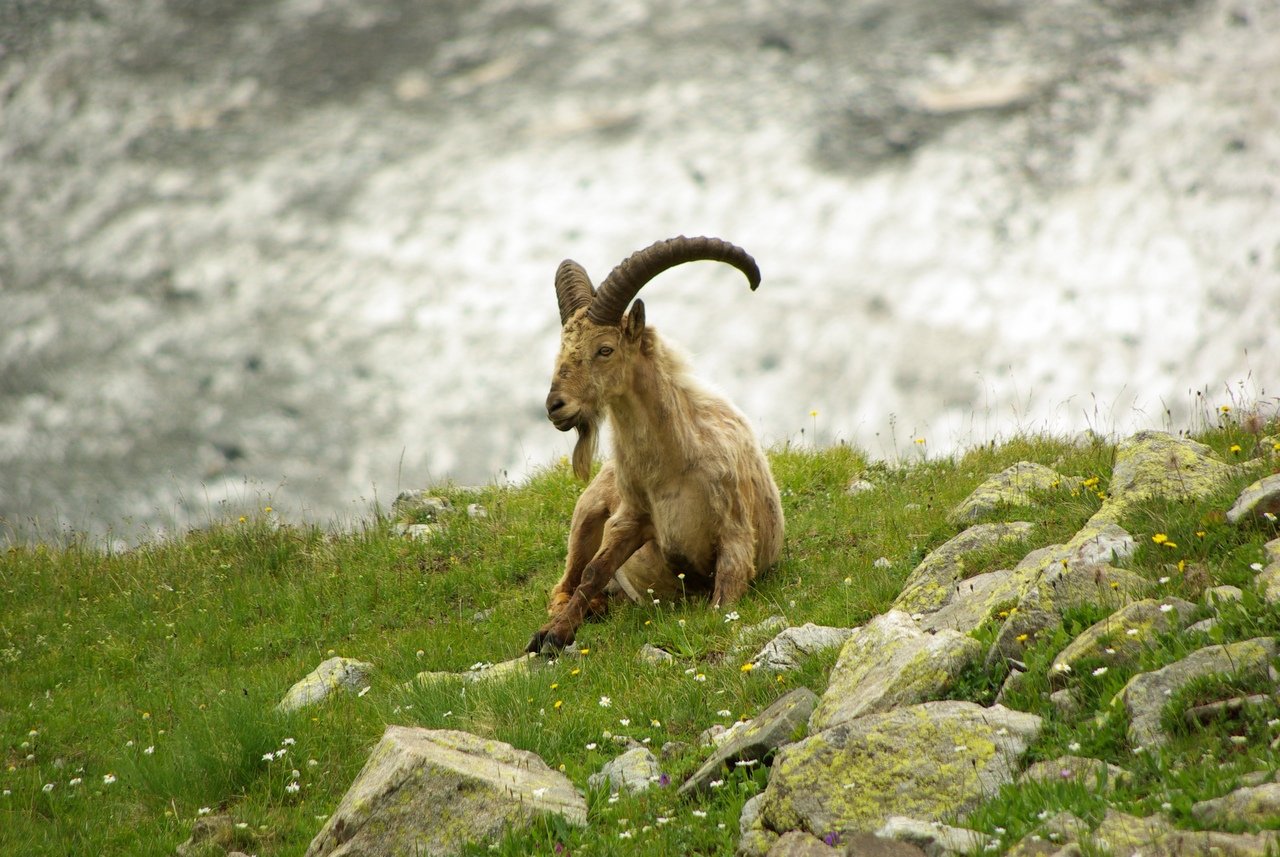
689,490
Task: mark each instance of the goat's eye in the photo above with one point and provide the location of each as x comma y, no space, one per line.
604,351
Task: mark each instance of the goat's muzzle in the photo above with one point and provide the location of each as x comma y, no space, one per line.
561,414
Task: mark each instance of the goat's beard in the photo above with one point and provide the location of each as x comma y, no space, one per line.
584,451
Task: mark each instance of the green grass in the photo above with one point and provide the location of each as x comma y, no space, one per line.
161,666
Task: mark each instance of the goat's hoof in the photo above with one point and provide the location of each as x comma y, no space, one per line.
546,642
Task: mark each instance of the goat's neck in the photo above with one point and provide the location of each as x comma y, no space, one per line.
654,419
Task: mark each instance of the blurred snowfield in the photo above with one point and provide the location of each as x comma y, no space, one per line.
301,252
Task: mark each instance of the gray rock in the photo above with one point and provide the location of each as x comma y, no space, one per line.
750,813
1260,499
1272,550
651,654
475,510
793,645
1267,582
481,672
1065,702
930,584
1016,485
860,486
771,729
890,662
333,674
1156,837
934,838
1121,638
634,771
755,839
1145,695
1204,626
926,761
434,792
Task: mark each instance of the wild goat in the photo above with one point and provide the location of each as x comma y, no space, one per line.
688,493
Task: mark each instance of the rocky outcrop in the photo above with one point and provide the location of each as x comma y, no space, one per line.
433,792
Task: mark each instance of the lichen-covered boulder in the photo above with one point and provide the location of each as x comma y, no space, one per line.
1016,485
1120,639
1146,694
1155,836
768,731
1253,806
432,792
890,662
333,674
787,650
634,771
1157,464
931,583
798,844
1260,499
927,761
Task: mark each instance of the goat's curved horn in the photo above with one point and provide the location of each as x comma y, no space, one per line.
624,281
573,289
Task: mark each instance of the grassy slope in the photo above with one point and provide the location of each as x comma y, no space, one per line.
185,647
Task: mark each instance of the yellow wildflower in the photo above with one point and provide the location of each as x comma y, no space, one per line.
747,667
1159,538
1235,447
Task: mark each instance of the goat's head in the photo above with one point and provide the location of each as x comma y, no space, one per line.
600,340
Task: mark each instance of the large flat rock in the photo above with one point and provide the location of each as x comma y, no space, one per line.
434,791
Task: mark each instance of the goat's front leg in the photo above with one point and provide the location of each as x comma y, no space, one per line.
623,536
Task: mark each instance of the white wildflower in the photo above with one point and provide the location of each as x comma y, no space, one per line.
605,702
293,788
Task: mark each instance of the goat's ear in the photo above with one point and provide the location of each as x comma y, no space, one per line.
635,320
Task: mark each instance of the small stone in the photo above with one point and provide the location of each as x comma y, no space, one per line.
1204,626
1260,499
334,674
1218,595
860,486
651,654
789,649
419,507
771,729
418,532
1224,709
634,771
475,510
797,843
210,834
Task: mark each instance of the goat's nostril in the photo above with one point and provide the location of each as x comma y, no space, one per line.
554,404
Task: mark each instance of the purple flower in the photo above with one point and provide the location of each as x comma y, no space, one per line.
664,780
832,838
